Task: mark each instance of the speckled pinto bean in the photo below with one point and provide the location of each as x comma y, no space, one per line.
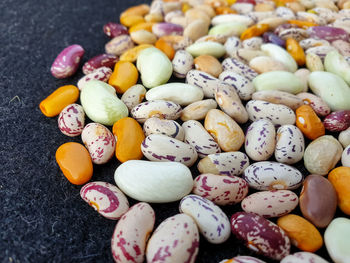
207,82
131,234
278,114
67,62
226,132
101,74
182,63
220,189
169,128
99,141
239,67
212,222
71,120
103,60
156,108
197,136
119,45
272,176
279,97
133,96
229,163
290,144
260,140
113,30
161,148
260,235
242,85
176,239
230,103
317,104
274,203
105,198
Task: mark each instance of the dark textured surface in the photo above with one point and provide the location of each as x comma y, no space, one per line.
42,217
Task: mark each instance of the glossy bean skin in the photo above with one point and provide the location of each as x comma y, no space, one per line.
58,100
103,60
308,122
169,128
124,76
337,121
132,232
260,235
105,198
129,136
71,120
68,155
220,189
317,104
340,178
318,200
113,30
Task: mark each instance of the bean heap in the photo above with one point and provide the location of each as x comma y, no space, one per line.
278,68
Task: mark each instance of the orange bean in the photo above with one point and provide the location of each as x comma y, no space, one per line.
124,76
309,123
302,24
302,233
145,26
132,54
254,31
216,3
166,48
340,179
138,10
129,136
185,7
58,100
131,20
222,10
75,162
296,51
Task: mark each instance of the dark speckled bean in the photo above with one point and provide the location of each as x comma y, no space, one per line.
272,176
290,144
161,148
239,67
242,85
182,63
274,39
212,222
169,128
260,235
203,80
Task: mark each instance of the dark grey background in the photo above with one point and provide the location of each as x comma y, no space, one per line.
42,217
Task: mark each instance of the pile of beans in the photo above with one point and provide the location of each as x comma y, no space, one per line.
280,68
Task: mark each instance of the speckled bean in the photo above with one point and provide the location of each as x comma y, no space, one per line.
274,203
67,62
119,45
197,136
279,97
233,64
230,103
131,234
99,141
203,80
303,257
260,235
263,64
337,121
272,176
278,114
228,163
169,128
312,42
252,43
212,222
105,198
290,144
161,148
103,60
226,132
242,259
180,230
322,154
344,137
156,108
220,189
198,110
71,120
320,51
182,63
165,29
242,85
133,96
232,44
101,74
317,104
345,158
260,140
